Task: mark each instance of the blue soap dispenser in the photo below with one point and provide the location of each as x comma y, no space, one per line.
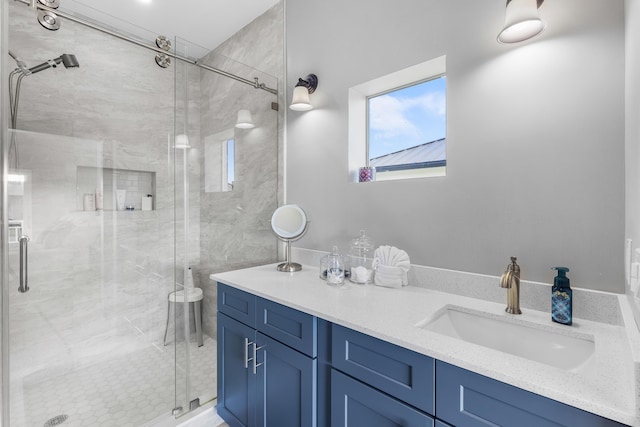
561,297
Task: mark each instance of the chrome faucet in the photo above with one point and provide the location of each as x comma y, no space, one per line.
511,280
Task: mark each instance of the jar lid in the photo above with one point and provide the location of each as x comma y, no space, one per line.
362,244
334,256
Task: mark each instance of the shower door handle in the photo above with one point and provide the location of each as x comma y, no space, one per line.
24,284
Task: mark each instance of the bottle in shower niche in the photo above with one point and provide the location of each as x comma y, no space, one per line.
99,199
89,202
561,298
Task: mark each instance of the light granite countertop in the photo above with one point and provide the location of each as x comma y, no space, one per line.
606,385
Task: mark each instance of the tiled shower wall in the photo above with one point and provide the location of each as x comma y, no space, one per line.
235,227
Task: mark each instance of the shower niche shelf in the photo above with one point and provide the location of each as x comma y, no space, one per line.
138,184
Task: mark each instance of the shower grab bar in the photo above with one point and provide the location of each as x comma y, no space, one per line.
24,284
255,83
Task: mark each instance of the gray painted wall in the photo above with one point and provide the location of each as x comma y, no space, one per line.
535,135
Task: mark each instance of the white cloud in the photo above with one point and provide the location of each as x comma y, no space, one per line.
389,114
431,103
387,117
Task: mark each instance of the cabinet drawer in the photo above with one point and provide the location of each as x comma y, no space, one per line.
294,328
354,404
469,399
237,304
402,373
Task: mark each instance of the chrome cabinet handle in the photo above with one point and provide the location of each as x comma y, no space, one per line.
255,357
246,353
24,284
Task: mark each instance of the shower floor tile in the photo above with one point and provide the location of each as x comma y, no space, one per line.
127,390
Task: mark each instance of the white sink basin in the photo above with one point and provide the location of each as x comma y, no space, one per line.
567,350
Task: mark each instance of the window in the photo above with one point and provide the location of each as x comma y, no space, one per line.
406,130
397,123
219,160
231,164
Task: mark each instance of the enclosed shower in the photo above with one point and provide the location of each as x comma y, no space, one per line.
125,185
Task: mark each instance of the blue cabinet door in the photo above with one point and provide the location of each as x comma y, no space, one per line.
354,404
236,382
286,386
472,400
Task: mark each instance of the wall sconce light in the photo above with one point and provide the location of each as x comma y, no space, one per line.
182,142
244,120
521,21
300,99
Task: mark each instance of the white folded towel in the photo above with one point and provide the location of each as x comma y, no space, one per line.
391,266
390,277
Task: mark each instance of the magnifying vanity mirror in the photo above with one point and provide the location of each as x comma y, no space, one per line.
289,223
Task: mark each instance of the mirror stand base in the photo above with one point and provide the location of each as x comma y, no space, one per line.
289,267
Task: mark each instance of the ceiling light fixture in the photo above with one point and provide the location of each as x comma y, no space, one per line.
304,87
521,21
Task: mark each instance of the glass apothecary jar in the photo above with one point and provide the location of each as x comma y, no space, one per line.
333,268
361,252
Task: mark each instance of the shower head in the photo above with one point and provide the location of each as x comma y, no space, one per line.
68,60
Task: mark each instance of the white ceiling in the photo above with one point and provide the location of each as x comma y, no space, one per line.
206,23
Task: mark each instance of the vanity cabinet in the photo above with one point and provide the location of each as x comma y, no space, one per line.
267,364
280,367
469,399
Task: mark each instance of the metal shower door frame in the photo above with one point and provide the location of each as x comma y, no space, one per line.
4,245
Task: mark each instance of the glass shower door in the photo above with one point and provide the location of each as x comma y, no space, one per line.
225,181
84,335
90,145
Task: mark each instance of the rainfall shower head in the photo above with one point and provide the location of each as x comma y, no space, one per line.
68,60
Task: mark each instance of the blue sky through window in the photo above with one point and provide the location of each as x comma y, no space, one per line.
231,163
407,117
